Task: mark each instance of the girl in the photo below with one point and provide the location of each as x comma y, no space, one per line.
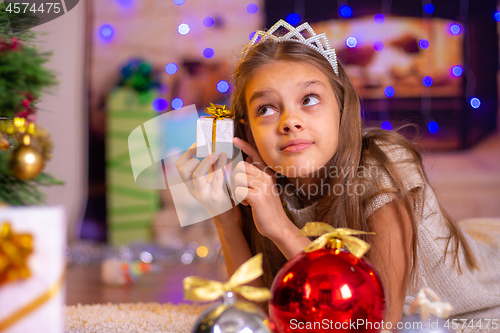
297,120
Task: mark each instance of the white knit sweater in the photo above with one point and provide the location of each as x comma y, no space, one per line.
474,294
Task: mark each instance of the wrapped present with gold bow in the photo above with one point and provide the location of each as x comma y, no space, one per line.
329,282
32,262
231,314
214,133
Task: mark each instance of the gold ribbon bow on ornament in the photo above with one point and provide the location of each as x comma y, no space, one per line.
334,237
218,112
203,290
432,305
14,250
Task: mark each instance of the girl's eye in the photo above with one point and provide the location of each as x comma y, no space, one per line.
264,111
310,100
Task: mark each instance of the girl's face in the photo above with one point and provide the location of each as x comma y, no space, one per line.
294,117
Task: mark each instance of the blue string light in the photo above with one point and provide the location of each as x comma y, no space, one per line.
222,86
208,53
351,42
457,70
106,32
378,46
252,8
433,126
293,18
345,11
423,43
475,102
160,104
171,68
429,8
427,81
183,28
379,18
177,103
126,3
386,125
497,16
208,21
389,91
455,29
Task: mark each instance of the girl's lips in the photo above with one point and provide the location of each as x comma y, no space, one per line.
297,148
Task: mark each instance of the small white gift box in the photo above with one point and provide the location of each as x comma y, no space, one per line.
35,303
223,136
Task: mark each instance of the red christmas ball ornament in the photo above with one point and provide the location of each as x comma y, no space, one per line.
327,289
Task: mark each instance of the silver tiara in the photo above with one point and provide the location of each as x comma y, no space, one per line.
294,34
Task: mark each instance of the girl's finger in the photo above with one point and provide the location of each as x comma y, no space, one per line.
188,154
186,172
201,171
254,155
220,167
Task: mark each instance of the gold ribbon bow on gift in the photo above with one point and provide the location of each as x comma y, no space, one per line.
14,250
335,238
431,305
203,290
218,112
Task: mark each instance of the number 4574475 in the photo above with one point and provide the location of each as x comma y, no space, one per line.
471,323
18,7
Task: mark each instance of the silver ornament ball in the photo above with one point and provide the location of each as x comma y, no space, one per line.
232,316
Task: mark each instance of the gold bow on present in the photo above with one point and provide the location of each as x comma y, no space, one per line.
337,237
218,112
432,305
14,250
203,290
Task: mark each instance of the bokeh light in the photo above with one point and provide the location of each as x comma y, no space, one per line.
423,43
222,86
497,16
386,125
202,251
177,103
171,68
379,18
208,52
429,8
187,257
378,46
252,8
126,3
183,28
179,2
427,81
433,126
351,42
475,102
293,18
345,11
389,91
455,29
457,70
106,32
160,104
163,88
208,21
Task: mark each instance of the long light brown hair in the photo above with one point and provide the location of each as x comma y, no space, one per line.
356,147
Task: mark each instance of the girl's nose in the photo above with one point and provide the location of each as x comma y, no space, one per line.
291,124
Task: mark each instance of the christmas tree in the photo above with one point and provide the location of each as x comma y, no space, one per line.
24,147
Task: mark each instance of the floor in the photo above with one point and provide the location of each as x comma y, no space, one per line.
467,182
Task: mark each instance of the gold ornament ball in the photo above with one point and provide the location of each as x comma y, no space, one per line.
26,162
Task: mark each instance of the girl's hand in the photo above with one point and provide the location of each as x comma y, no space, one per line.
210,191
254,184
